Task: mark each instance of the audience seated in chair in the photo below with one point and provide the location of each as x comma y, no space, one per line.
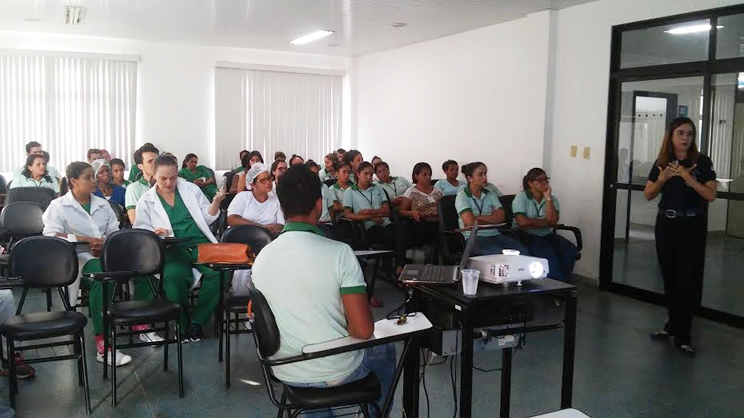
200,175
296,159
450,185
325,216
94,154
257,206
536,212
80,216
420,205
36,175
278,168
475,201
105,188
336,192
144,158
176,208
280,156
324,300
238,184
394,185
117,172
329,167
34,147
354,158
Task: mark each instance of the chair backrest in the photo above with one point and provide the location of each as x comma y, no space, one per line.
133,250
228,179
506,201
39,195
22,219
3,184
330,182
255,236
266,329
118,210
447,214
44,262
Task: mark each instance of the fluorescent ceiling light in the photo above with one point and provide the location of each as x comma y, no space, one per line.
311,37
683,30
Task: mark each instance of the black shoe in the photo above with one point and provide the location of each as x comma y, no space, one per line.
660,336
687,350
195,333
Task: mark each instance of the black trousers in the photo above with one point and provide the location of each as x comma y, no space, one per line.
394,236
680,246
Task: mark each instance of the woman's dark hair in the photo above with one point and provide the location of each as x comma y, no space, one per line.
666,154
417,169
30,161
531,175
375,158
165,161
46,156
381,164
340,151
469,169
115,161
312,164
447,164
148,147
32,144
242,153
293,158
188,157
298,191
73,171
280,156
338,165
332,156
246,161
275,164
365,165
350,155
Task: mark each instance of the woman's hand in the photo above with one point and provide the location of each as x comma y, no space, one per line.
668,172
416,215
378,220
220,196
685,173
548,192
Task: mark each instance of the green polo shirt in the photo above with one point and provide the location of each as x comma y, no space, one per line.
357,199
483,205
303,275
396,187
182,223
531,208
135,192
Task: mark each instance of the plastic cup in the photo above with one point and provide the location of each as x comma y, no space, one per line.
470,281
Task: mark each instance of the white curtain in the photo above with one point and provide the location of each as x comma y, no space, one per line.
278,111
69,104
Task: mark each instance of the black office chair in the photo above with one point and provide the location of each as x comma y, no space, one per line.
451,243
330,182
296,400
39,195
257,238
3,185
57,268
145,256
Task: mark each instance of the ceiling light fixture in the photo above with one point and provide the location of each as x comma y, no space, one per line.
75,15
684,30
311,37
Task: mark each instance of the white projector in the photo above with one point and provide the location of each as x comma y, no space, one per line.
505,268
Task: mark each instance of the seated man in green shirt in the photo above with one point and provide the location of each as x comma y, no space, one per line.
324,300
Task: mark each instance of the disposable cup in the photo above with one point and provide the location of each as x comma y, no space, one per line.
470,281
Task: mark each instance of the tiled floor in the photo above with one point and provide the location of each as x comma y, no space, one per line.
619,373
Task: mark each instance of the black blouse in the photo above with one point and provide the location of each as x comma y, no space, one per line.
676,194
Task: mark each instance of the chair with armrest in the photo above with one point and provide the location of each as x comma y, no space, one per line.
296,400
145,256
232,302
58,268
39,195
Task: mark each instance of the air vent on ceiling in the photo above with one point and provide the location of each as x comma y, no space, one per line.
75,15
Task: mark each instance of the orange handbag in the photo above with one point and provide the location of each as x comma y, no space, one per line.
225,254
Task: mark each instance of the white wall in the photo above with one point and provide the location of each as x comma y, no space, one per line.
175,103
582,66
478,95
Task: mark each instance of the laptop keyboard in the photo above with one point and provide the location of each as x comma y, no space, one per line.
438,273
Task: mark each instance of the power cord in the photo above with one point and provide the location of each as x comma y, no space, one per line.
423,379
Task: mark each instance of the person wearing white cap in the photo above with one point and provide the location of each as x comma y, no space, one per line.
258,205
105,188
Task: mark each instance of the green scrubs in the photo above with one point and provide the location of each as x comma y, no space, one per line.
210,189
180,258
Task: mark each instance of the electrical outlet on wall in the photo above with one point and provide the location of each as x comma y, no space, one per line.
586,153
574,150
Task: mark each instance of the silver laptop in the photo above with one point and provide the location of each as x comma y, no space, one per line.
433,274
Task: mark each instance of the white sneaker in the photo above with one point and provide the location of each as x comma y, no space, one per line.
121,358
151,337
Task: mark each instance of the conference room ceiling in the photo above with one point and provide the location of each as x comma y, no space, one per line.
360,26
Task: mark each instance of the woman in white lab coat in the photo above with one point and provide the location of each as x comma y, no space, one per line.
80,216
177,208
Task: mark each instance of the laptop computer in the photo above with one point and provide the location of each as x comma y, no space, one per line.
434,274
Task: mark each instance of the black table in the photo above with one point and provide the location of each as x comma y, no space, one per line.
466,309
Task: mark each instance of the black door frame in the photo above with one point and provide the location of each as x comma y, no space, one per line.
707,69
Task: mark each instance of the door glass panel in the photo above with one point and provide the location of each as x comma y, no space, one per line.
727,131
670,44
730,37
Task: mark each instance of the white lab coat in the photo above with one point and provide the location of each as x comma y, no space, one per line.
66,216
150,213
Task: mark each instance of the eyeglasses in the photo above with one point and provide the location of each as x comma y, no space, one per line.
264,181
542,179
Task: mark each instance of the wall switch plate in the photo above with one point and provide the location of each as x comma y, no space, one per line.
574,150
586,153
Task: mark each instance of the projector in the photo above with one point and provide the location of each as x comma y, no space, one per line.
508,267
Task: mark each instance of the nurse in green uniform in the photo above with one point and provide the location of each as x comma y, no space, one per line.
200,175
177,208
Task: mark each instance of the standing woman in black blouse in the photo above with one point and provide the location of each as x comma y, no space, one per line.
687,183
